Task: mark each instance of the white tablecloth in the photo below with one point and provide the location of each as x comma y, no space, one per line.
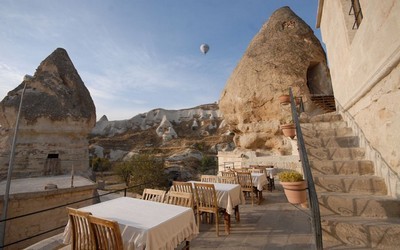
271,172
259,180
228,195
146,224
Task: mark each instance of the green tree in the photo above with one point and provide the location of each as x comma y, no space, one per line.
100,164
207,163
124,170
145,170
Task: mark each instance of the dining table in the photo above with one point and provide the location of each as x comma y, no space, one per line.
229,197
145,224
259,182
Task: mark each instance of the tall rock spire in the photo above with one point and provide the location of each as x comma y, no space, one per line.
285,53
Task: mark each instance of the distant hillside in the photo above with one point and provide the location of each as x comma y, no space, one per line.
182,137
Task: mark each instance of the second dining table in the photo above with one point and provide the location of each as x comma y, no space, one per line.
229,197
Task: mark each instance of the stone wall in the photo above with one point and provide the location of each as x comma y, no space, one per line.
365,70
27,226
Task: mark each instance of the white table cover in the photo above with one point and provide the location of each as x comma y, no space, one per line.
228,195
146,224
259,180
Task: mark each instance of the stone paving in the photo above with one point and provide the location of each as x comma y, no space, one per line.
274,224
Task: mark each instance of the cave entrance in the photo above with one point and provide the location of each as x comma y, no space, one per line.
52,165
320,86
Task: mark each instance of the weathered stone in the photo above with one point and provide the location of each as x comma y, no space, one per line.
285,53
57,114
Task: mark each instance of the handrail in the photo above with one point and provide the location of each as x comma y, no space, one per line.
312,194
60,206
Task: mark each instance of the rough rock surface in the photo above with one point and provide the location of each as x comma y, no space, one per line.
57,114
185,146
285,53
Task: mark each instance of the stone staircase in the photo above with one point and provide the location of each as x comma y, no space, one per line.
356,212
325,102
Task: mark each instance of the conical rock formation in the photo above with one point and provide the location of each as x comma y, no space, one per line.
57,114
285,53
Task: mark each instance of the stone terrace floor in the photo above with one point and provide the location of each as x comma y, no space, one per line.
274,224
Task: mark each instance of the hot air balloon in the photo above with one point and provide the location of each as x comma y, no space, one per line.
204,48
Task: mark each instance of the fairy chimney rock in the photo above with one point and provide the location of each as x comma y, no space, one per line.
285,53
57,114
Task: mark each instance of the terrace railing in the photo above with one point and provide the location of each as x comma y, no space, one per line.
96,198
312,194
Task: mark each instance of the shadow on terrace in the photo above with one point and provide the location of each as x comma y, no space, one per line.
274,224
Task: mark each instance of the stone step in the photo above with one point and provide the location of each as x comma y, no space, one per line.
327,117
366,184
323,125
335,153
360,233
345,204
333,141
328,167
311,133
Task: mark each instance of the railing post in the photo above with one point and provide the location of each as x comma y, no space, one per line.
10,168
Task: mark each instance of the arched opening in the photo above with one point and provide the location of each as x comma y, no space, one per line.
320,86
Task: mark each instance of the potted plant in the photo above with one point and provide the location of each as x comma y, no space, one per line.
294,186
284,99
288,128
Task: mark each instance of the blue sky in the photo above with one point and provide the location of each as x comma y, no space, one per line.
137,55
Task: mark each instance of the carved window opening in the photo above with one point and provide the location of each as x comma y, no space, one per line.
355,10
52,165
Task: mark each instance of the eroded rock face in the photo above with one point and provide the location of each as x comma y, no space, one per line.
285,53
57,114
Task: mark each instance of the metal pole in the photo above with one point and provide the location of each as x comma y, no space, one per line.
10,168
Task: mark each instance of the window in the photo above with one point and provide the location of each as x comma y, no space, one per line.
355,10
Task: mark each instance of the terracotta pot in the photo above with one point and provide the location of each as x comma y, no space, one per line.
288,130
296,192
284,99
297,100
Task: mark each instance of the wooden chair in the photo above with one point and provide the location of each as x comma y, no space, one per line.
246,182
107,233
256,170
179,199
185,187
228,179
181,186
228,173
209,178
206,199
153,195
82,236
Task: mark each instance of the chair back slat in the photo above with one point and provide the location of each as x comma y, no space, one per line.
228,179
256,170
246,183
245,180
209,178
179,199
107,233
153,195
206,196
228,173
82,236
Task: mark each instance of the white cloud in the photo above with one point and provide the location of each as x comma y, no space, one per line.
9,80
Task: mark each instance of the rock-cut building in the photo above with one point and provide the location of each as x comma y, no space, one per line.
57,114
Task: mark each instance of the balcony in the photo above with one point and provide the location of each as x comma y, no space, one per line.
274,224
